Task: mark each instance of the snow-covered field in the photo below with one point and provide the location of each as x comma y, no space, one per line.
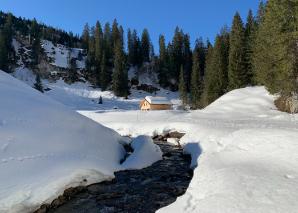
244,149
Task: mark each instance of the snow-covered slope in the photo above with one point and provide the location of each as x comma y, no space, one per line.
81,96
60,54
45,148
244,149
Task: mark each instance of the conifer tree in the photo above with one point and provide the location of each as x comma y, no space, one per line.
36,46
145,46
98,38
175,53
250,30
120,78
187,60
237,72
85,37
3,53
182,88
6,49
216,80
90,62
105,75
275,61
196,81
201,50
107,42
163,66
134,49
115,34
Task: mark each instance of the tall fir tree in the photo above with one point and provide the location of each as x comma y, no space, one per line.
3,53
182,88
120,77
145,46
187,60
202,51
275,61
98,38
237,72
216,78
163,62
250,31
85,37
90,62
107,43
105,75
36,43
196,82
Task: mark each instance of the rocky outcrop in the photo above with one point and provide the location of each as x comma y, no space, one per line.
287,104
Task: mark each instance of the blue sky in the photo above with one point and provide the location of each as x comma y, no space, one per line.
196,17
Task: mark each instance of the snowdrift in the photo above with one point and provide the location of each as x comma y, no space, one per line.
45,148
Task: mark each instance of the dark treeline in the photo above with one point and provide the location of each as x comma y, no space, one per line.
262,50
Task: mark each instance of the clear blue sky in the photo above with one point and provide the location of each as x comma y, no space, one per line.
196,17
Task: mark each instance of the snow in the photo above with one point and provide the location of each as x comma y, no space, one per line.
157,100
46,148
243,150
145,153
59,54
82,96
24,74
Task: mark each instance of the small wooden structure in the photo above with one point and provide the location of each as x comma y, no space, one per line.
155,103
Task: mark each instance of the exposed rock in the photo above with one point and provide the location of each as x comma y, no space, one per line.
287,104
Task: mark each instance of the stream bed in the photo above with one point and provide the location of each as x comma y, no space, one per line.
144,190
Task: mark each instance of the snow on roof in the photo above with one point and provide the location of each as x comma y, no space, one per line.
158,100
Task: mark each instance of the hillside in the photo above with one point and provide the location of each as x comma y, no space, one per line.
46,148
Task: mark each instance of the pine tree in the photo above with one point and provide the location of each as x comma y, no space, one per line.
237,72
250,30
90,62
182,88
36,46
6,49
274,60
196,81
134,49
145,46
201,50
85,37
216,78
187,60
175,54
163,62
115,35
38,84
105,75
120,78
261,12
3,53
107,40
98,38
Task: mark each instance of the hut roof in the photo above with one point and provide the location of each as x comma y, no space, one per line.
158,100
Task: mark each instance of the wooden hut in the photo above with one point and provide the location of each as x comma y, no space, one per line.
155,103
